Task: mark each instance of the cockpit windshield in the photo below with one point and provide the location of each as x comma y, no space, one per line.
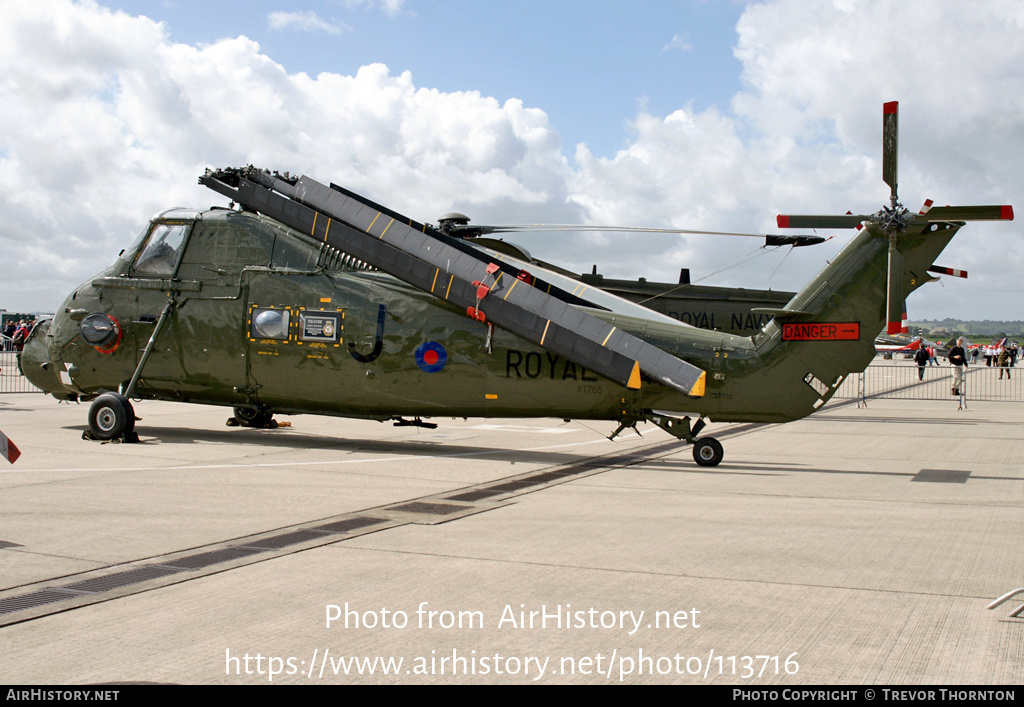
128,254
160,255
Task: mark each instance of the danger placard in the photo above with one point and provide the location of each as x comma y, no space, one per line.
821,331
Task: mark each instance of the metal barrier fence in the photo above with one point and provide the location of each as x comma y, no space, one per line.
901,381
11,379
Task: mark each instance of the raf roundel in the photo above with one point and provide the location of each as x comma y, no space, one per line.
431,357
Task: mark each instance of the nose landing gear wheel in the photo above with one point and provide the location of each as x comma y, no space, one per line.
111,416
707,451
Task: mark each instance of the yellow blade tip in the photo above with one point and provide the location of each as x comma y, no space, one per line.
634,378
697,391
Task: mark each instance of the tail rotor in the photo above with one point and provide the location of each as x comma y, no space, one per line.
894,220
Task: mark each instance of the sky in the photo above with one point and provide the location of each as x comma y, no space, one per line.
692,114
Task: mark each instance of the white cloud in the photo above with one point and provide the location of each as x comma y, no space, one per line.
392,8
108,121
804,136
679,42
304,21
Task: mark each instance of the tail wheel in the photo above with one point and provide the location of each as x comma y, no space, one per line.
110,416
707,451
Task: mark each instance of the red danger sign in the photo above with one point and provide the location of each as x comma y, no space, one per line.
821,331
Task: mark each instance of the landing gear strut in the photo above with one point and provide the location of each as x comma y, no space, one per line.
707,451
111,415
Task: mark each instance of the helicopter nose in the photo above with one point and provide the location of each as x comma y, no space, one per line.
36,364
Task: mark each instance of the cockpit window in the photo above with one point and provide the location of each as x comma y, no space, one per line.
160,255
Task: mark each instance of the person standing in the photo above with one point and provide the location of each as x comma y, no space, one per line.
20,334
921,358
958,360
1004,362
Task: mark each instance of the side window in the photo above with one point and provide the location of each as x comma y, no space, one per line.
225,243
266,323
161,252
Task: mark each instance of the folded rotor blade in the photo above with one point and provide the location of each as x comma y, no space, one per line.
427,260
470,231
795,241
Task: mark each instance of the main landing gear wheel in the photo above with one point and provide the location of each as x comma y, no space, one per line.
707,451
111,416
254,417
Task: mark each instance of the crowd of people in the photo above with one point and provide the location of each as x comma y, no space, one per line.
15,334
1003,354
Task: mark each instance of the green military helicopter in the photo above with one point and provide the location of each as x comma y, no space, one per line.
306,298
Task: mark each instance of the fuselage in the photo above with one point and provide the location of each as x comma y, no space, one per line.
256,317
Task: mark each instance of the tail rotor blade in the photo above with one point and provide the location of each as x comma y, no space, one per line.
969,213
953,272
821,221
890,143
